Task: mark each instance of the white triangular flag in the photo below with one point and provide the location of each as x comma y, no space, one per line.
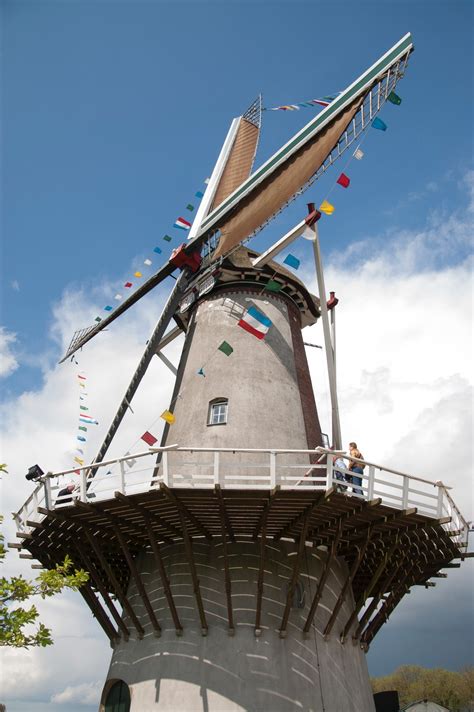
308,233
147,262
358,154
131,462
118,297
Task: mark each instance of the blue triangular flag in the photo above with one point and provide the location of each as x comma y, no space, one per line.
158,250
292,261
379,124
201,372
199,194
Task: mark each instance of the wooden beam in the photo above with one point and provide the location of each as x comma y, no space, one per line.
322,581
155,547
192,565
184,511
223,512
294,575
264,513
119,592
298,520
224,531
152,516
91,600
357,507
138,580
350,577
90,567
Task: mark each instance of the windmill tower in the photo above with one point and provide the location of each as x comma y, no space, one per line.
234,576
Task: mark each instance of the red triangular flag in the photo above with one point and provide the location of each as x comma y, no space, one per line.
148,438
343,180
127,284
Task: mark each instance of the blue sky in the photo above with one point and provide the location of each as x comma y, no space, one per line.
113,114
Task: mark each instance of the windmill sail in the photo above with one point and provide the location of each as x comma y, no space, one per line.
364,97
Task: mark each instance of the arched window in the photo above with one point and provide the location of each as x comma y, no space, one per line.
118,698
218,411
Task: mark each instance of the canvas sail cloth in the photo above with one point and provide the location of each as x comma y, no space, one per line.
268,197
240,161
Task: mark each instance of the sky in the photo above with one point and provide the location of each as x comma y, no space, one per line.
112,116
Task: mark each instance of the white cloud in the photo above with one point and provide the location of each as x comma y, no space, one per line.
85,694
405,388
8,361
15,285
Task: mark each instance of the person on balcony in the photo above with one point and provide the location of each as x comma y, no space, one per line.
356,468
62,495
339,462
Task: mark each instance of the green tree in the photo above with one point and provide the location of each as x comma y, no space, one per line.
19,624
453,690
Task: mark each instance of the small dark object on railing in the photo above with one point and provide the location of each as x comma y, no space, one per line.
34,473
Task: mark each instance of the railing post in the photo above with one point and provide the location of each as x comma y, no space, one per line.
439,511
122,476
83,486
164,461
216,468
273,468
329,472
48,500
371,483
406,485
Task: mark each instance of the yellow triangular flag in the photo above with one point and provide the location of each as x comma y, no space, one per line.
137,274
78,460
326,207
169,417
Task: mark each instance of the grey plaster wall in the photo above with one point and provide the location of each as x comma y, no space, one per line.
259,379
220,673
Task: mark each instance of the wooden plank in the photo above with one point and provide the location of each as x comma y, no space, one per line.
226,529
265,510
223,512
183,510
98,613
294,575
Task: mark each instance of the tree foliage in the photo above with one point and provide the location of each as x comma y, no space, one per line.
20,626
454,690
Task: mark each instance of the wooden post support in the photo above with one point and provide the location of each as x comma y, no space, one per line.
224,531
294,575
322,581
184,511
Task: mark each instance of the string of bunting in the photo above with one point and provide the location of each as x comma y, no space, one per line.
309,104
180,223
84,419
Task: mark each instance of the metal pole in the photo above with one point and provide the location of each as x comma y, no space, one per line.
330,359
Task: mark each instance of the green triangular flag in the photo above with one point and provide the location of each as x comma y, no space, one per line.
97,319
394,98
273,286
225,348
167,238
189,207
82,427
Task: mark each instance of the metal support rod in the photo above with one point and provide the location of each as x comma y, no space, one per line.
224,532
137,578
119,592
336,427
322,581
294,575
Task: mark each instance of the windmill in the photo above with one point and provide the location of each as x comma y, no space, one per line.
241,565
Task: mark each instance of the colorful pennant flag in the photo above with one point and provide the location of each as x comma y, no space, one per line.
225,348
273,286
343,180
149,438
168,416
128,285
108,308
158,250
199,194
82,427
83,419
308,233
207,181
394,98
190,207
326,207
131,462
167,238
182,224
81,438
97,319
83,407
118,297
379,124
358,154
137,274
147,262
291,261
83,378
78,460
255,323
324,101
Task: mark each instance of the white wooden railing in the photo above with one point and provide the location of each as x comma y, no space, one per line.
246,469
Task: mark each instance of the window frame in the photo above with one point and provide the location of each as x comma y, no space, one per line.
215,402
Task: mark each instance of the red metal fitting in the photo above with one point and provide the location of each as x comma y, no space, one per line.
333,301
179,258
313,215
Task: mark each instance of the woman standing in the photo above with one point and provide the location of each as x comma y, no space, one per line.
356,468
